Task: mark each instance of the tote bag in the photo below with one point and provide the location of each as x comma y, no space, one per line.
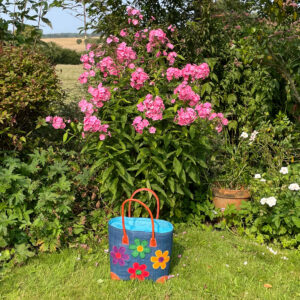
140,248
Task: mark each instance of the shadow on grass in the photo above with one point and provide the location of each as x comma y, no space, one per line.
178,249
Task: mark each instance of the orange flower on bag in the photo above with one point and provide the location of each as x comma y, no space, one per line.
160,260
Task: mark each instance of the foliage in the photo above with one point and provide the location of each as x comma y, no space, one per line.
17,13
59,55
172,161
268,145
28,84
45,205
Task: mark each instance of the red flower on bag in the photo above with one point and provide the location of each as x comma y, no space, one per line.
138,271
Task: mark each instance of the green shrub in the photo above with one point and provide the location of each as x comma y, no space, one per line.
60,55
28,85
45,204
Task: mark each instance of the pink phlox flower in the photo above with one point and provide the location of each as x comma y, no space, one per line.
185,116
83,78
173,73
139,124
153,108
86,107
92,73
87,66
48,119
111,39
108,64
123,32
125,53
132,11
171,57
185,93
203,110
88,47
135,22
170,46
100,94
93,124
157,35
131,66
152,130
84,58
58,123
138,77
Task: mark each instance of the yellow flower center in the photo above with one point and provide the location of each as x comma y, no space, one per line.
140,248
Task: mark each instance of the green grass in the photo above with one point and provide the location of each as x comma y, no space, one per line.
212,266
69,74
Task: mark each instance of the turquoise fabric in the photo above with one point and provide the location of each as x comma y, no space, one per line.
142,224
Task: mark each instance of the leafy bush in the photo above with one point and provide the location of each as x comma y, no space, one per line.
137,88
274,214
45,205
59,55
28,84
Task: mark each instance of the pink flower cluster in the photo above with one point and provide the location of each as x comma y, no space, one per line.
190,71
57,122
86,107
156,37
123,32
185,93
83,78
134,13
108,66
111,39
139,124
125,53
185,116
100,95
203,110
221,120
154,108
171,57
138,77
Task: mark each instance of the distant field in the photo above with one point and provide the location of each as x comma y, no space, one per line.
69,43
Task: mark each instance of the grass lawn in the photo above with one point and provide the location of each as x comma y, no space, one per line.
69,74
213,265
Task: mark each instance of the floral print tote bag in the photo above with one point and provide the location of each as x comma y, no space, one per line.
140,248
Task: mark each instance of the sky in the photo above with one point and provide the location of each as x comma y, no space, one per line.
62,22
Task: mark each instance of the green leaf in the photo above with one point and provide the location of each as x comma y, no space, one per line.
159,163
120,167
177,166
296,221
171,184
65,137
106,173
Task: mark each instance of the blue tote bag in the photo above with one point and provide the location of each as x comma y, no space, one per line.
140,248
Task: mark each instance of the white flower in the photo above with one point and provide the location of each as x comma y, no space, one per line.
271,201
272,251
257,176
227,266
253,135
284,258
294,187
244,135
263,201
263,180
245,263
284,170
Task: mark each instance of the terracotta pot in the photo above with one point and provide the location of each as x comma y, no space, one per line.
224,197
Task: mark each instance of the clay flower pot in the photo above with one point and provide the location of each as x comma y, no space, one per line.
224,197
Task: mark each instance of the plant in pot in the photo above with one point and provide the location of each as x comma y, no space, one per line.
232,170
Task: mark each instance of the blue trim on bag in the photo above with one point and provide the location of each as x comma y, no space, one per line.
142,224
